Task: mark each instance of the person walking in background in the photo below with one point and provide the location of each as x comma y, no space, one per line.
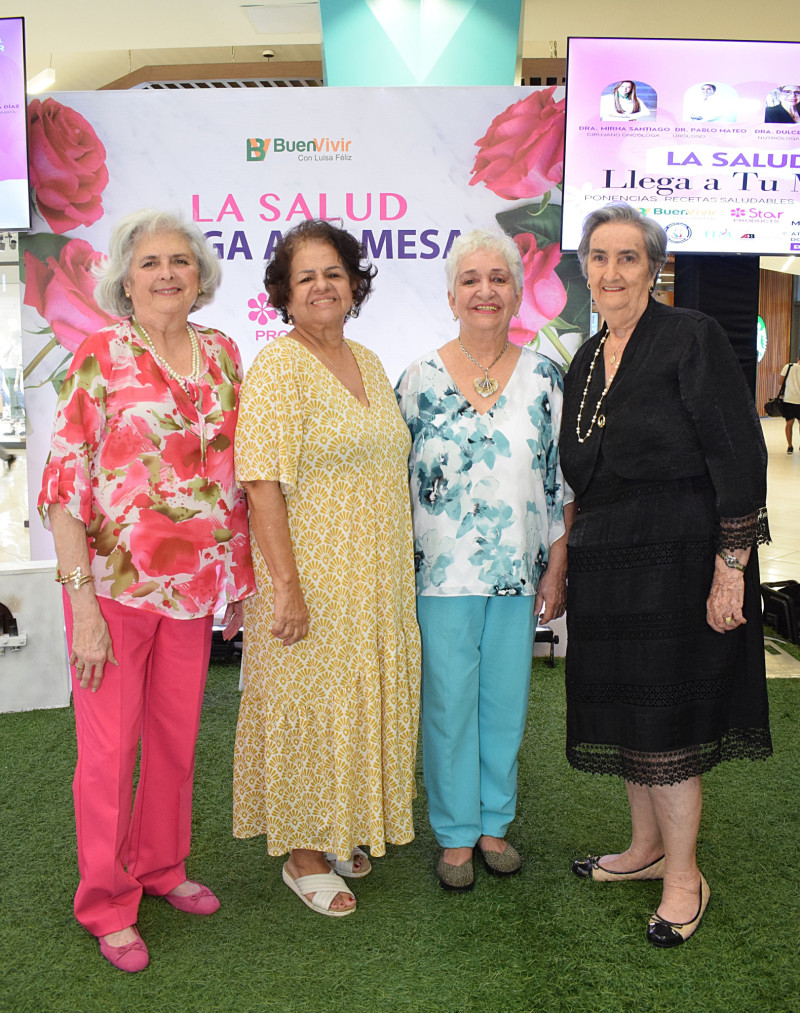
791,400
11,384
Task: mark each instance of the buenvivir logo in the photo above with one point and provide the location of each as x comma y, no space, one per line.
316,149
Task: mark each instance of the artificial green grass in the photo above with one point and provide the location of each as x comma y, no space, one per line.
542,941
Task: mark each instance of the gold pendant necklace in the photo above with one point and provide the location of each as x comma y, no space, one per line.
318,351
485,385
596,417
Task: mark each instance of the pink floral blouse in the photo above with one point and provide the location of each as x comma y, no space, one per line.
150,474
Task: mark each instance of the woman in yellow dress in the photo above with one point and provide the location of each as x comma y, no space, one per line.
326,738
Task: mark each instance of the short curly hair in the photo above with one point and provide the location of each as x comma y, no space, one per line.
110,291
277,277
484,241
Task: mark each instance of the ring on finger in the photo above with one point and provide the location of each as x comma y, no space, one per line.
729,620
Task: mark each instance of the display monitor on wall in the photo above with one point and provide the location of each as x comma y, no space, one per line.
14,202
704,135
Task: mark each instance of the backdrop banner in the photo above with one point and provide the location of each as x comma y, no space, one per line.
406,170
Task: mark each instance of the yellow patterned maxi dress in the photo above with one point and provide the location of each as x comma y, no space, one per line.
326,738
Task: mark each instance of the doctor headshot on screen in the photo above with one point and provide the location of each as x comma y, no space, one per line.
783,104
709,103
622,103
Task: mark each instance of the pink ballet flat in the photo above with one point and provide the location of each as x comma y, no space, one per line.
201,903
131,958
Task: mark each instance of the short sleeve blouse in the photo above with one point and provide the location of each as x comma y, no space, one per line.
487,493
150,474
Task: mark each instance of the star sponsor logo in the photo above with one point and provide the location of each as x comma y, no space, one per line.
755,213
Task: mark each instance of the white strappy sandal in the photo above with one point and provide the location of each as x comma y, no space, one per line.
344,867
324,886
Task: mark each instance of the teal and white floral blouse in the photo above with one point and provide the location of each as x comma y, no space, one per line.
487,492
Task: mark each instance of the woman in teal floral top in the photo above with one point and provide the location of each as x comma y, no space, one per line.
488,504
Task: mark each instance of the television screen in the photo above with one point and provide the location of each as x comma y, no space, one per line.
14,204
704,135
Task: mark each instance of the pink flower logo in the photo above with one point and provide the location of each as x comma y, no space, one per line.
262,312
738,212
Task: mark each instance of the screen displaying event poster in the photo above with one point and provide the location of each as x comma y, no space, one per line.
14,202
704,135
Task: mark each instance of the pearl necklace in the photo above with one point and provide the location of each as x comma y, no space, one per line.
599,419
186,381
486,385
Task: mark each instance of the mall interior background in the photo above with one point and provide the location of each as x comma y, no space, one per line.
200,44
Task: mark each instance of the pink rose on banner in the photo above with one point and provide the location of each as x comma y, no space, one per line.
62,291
543,293
521,154
67,165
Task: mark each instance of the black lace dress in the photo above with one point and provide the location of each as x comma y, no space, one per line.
676,472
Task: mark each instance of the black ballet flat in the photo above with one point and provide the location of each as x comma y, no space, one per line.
666,934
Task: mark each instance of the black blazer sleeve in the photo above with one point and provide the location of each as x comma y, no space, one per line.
719,403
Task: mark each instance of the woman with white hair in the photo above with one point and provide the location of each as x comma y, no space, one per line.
488,504
665,675
151,536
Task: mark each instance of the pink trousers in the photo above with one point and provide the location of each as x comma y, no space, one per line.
154,695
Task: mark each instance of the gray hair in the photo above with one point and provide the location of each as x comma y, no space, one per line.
480,240
654,237
110,292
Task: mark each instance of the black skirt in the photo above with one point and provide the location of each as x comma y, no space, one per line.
654,695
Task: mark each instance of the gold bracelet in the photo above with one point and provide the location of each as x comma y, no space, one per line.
77,578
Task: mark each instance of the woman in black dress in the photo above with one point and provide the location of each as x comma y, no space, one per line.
662,446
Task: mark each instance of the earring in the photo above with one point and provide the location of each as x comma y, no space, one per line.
290,319
652,287
352,312
200,290
127,294
588,286
455,316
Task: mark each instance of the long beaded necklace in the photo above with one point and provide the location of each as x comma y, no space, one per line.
599,419
487,385
186,381
189,383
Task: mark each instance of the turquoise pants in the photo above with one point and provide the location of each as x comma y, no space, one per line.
476,674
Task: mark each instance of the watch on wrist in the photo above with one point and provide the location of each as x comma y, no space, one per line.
730,560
